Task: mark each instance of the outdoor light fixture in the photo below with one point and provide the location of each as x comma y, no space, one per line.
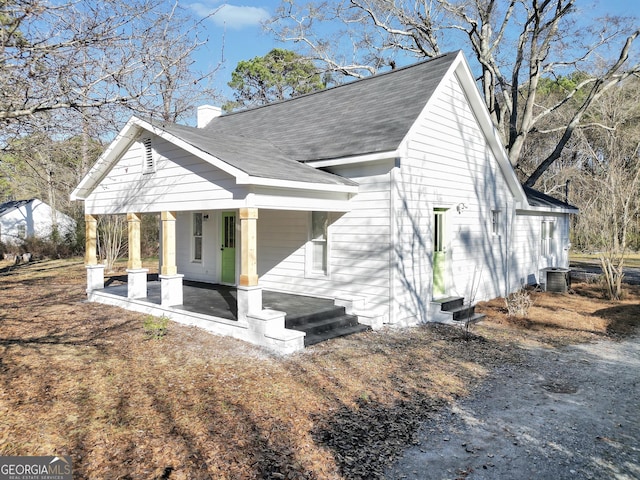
461,207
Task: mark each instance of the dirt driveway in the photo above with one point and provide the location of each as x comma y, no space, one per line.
567,413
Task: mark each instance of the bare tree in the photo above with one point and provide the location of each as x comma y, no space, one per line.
112,239
610,203
85,57
515,44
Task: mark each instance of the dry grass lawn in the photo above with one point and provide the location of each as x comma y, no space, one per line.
85,380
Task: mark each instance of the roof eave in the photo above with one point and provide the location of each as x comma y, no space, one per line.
548,209
296,185
364,158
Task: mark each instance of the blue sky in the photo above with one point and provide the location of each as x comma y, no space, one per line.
235,29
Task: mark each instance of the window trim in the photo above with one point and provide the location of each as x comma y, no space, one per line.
312,272
496,220
195,237
547,230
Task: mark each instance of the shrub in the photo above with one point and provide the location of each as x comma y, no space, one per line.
156,327
518,303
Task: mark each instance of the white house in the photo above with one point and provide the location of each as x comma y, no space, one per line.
391,195
22,219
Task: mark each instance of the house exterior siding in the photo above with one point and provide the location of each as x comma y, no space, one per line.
410,183
449,166
206,269
359,252
528,259
180,182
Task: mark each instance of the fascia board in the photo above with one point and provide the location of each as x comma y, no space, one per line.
404,144
552,210
370,157
289,184
461,69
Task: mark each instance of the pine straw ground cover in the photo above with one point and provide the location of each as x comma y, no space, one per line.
85,380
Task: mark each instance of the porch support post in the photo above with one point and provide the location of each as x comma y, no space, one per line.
95,272
170,280
248,247
136,275
91,238
249,293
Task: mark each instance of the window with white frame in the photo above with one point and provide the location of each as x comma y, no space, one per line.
148,156
319,242
495,222
197,237
547,230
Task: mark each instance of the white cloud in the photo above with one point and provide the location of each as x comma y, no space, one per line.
231,16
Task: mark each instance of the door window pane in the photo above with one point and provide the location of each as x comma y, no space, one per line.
229,240
438,231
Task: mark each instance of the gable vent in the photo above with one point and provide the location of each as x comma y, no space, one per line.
148,161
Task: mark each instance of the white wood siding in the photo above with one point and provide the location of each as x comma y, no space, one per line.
207,269
527,260
181,182
358,245
449,165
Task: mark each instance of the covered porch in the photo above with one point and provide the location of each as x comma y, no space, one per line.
214,308
219,186
283,322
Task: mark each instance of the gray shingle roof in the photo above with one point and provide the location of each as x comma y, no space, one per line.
365,116
255,157
539,199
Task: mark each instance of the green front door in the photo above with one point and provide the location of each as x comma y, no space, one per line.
228,248
439,253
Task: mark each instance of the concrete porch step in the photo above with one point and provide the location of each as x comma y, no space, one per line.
463,312
324,324
314,338
476,317
450,303
294,320
454,311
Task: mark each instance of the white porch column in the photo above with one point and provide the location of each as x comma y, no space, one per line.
170,280
136,275
95,271
249,293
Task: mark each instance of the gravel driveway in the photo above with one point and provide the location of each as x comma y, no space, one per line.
568,413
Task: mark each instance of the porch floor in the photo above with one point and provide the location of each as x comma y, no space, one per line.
220,300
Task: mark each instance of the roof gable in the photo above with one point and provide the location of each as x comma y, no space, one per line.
365,116
269,145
